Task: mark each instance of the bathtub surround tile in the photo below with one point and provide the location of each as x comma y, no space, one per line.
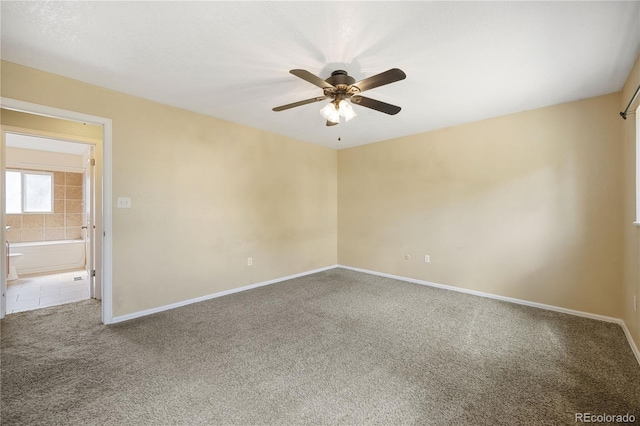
73,234
58,178
30,235
73,206
33,221
14,235
73,193
58,192
74,179
55,220
14,221
58,206
73,220
54,234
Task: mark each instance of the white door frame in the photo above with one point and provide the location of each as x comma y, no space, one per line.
107,243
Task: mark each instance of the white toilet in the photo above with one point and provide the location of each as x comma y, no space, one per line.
14,259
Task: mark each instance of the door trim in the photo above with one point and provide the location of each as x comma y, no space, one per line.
107,217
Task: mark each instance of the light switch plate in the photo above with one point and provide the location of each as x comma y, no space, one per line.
124,202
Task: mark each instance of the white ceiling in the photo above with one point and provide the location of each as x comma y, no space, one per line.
464,61
15,140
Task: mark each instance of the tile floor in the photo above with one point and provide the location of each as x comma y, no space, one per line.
31,292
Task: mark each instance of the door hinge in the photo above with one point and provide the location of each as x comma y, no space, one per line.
93,161
93,272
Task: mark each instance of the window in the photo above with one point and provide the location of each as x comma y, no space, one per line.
14,192
29,192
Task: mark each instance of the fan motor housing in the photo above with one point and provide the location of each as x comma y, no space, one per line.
340,78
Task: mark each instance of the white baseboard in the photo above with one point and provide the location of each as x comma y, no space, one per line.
632,343
212,296
619,321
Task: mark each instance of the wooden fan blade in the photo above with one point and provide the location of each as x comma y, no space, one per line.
306,75
381,79
297,104
377,105
331,123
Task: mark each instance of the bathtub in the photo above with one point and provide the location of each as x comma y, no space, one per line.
49,256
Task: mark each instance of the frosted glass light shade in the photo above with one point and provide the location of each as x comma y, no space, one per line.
346,110
330,113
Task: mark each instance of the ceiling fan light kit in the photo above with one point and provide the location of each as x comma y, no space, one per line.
333,112
330,113
346,110
343,90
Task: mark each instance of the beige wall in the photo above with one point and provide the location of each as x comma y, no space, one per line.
526,206
206,195
631,231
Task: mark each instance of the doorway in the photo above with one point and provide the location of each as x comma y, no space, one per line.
97,216
50,185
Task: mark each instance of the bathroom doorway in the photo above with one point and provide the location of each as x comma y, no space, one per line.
52,242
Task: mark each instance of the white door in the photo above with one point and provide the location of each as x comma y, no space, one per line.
89,227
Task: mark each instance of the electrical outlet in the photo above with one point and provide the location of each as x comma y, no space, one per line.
249,261
427,258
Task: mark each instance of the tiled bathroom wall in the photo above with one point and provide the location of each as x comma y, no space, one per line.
63,224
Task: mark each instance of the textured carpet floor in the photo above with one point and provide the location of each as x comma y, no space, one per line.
333,347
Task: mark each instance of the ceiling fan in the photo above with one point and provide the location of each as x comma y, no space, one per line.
341,87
